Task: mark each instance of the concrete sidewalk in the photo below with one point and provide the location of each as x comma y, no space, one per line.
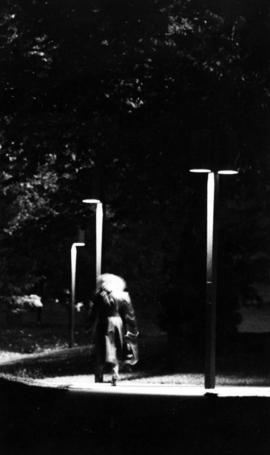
83,384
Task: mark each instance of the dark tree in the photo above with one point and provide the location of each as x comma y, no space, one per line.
119,87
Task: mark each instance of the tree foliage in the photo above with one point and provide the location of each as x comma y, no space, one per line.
119,87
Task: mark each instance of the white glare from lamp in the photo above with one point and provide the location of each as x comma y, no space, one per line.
200,171
228,172
91,201
78,244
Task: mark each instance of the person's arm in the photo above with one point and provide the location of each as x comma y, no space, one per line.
129,317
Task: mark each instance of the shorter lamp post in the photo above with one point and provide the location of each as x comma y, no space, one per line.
99,231
205,167
73,254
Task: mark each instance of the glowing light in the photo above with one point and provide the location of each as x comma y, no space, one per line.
91,201
228,172
200,171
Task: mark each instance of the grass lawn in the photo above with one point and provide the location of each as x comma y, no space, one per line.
34,339
42,352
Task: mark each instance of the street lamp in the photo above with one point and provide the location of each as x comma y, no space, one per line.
99,230
73,254
220,168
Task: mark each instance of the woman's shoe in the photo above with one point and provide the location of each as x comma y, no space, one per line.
115,377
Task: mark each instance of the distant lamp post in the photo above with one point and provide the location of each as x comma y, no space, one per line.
99,230
213,161
73,254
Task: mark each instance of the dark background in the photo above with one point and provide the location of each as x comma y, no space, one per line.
105,98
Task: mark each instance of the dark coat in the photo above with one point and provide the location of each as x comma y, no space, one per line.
114,328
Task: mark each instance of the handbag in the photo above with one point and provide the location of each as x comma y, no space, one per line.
130,349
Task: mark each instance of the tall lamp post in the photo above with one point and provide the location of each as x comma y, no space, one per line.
73,254
99,230
211,263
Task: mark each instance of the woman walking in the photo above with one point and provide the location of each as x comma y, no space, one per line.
114,326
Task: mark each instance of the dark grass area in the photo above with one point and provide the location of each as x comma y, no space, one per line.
60,360
247,356
246,364
34,338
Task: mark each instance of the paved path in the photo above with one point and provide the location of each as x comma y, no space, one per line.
86,385
185,391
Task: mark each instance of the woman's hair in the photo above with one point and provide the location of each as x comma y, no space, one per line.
110,282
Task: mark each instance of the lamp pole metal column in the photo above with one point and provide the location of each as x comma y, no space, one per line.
99,232
73,254
211,281
99,229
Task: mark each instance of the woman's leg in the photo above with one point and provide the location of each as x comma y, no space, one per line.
115,375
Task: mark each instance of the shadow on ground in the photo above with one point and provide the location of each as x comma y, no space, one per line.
41,421
49,421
